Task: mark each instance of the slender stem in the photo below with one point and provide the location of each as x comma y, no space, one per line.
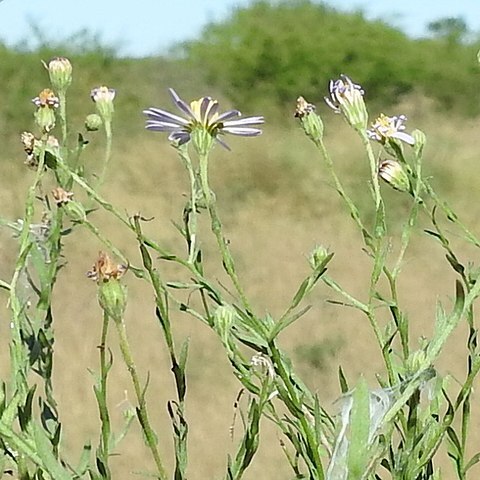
308,431
62,114
450,214
108,153
192,217
339,187
102,401
217,231
140,395
373,171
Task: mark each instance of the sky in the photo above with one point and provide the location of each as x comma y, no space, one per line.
149,27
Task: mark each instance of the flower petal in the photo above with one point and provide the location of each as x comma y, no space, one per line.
405,137
228,115
183,106
242,131
244,122
180,137
162,126
162,115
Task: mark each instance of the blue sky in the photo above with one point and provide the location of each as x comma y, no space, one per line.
146,27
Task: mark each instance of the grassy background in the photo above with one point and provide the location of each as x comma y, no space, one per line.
276,202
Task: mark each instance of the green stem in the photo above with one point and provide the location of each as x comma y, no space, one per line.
450,214
373,172
217,231
307,428
102,401
341,191
108,154
140,395
20,364
191,224
62,114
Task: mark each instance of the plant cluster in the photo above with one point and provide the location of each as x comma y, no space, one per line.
394,429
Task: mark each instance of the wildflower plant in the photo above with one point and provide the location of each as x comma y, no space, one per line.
391,430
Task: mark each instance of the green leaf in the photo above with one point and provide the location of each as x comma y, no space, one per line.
456,265
84,461
283,323
459,299
454,441
342,380
43,448
358,457
473,461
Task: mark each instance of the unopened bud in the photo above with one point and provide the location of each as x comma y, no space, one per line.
420,141
93,122
417,361
60,73
223,320
319,256
393,173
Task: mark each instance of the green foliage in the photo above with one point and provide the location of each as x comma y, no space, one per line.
275,51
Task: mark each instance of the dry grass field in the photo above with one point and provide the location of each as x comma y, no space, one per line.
276,203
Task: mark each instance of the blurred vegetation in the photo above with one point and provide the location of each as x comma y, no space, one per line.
260,58
274,51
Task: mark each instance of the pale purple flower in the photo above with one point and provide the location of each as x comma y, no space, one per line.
386,127
346,98
200,114
343,92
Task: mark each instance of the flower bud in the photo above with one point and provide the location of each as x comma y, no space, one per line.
93,122
420,141
74,210
318,257
112,297
417,361
60,73
393,173
103,98
311,122
223,320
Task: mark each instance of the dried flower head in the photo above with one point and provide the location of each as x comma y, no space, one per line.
303,108
104,269
311,123
61,196
200,116
46,99
385,128
33,147
46,103
28,141
346,98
